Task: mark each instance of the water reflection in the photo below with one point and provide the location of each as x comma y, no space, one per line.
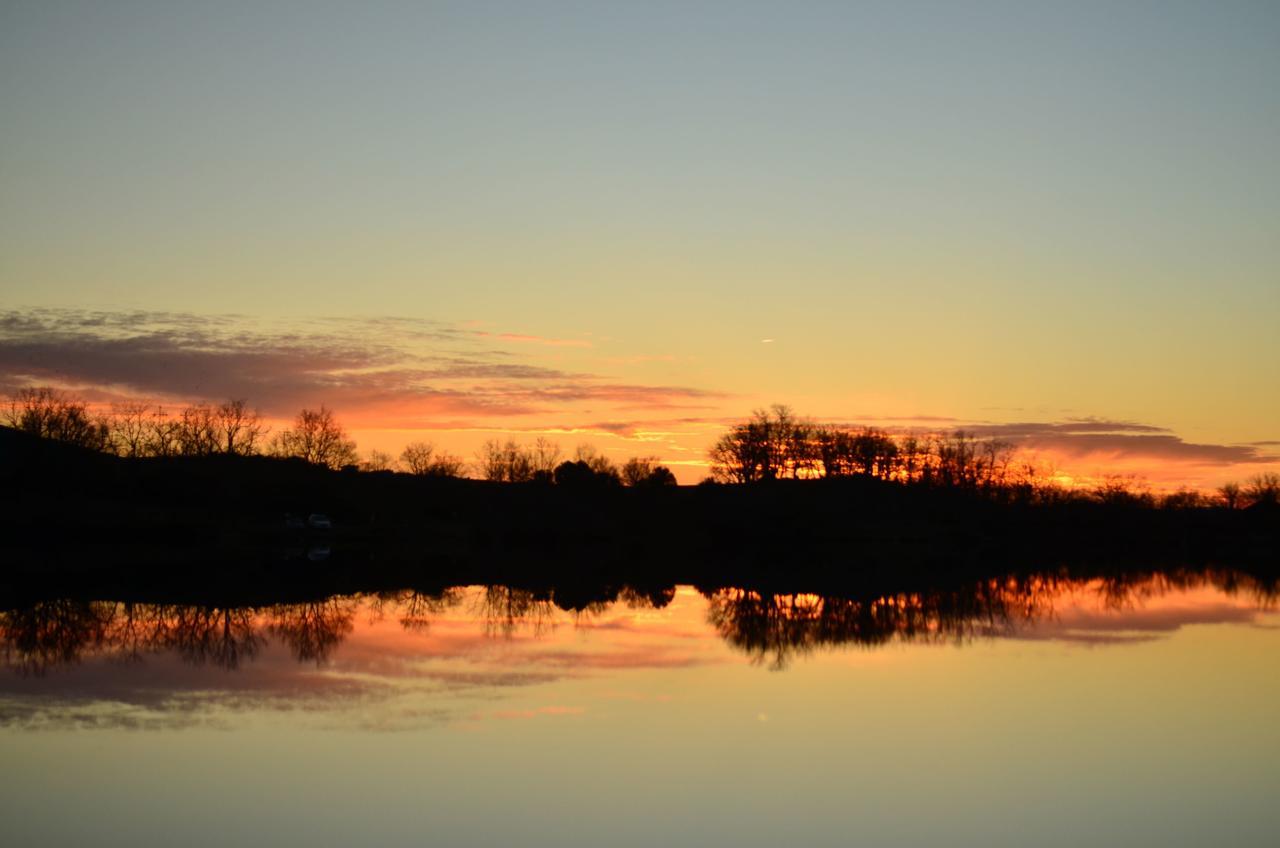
448,703
775,628
770,628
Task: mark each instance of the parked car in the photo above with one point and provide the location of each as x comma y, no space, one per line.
319,521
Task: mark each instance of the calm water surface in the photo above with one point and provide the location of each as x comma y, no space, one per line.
1044,712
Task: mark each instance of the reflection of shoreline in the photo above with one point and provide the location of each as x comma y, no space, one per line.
770,627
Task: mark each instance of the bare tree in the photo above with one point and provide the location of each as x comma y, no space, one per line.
422,459
417,457
771,445
596,461
318,438
162,434
51,414
645,471
130,428
197,432
378,461
239,429
742,455
1123,490
447,465
506,462
1262,489
492,461
637,469
543,457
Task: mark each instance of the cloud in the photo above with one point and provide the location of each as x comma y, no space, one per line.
523,338
1106,627
640,359
1094,438
620,658
552,710
1073,426
408,371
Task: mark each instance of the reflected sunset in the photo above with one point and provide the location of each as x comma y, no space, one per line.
441,656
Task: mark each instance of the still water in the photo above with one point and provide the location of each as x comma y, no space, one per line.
1033,712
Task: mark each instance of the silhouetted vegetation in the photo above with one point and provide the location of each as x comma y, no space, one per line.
316,438
645,471
774,444
50,414
772,625
423,459
175,501
511,462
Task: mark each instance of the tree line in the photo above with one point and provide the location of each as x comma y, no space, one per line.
136,429
776,444
773,444
511,462
232,428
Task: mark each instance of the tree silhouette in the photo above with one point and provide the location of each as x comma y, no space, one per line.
162,438
130,429
510,462
504,609
51,414
377,460
644,471
220,636
773,444
589,469
1262,490
198,431
239,429
421,458
50,634
317,438
1229,493
312,630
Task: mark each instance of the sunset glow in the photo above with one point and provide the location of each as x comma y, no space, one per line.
607,227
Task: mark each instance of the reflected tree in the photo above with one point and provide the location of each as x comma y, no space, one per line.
219,636
50,634
779,627
505,609
312,630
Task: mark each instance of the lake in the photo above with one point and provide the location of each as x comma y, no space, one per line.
1031,711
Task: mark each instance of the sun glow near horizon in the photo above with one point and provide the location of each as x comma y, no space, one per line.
598,224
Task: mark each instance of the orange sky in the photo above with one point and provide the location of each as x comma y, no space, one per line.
632,228
392,381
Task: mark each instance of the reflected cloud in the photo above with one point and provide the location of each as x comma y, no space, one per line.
401,659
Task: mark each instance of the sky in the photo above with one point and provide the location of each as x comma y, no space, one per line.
631,224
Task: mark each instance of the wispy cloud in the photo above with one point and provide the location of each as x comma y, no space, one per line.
1092,437
1103,627
408,370
1086,438
523,338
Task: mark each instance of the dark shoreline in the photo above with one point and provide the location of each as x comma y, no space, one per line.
80,523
